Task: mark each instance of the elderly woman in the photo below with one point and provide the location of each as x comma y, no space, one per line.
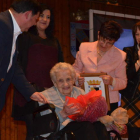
63,77
103,56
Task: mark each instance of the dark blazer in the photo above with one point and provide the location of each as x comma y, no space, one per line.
132,75
15,74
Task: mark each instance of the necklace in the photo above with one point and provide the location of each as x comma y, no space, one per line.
99,52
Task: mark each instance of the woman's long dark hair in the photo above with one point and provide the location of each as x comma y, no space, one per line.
134,30
50,29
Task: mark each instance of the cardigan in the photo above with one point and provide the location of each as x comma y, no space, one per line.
55,97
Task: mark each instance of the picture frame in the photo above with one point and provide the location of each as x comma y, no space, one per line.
93,81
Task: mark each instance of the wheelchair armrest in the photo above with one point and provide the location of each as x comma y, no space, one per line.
51,120
44,107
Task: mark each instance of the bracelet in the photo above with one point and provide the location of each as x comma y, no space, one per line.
138,63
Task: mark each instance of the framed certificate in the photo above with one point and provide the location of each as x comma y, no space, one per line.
94,82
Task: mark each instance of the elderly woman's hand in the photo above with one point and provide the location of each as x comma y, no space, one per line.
69,109
81,80
107,79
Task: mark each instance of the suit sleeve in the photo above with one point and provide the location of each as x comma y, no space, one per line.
23,43
20,82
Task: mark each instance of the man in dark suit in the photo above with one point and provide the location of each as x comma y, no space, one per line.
20,17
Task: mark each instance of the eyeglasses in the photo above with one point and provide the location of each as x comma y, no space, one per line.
63,81
106,41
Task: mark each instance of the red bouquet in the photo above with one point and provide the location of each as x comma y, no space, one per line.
92,106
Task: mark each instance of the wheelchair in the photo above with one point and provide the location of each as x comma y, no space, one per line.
48,123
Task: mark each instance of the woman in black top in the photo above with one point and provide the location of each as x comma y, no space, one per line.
39,50
131,95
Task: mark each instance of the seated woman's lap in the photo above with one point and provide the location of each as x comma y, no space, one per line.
87,130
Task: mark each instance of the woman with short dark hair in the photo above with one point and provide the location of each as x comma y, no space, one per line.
103,56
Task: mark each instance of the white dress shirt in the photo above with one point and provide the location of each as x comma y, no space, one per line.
17,31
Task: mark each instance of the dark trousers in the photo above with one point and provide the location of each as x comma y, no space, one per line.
81,130
133,133
87,130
